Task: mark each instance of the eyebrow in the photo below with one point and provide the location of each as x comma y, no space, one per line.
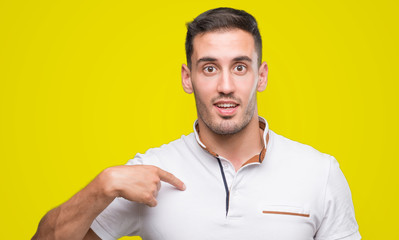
206,59
242,58
211,59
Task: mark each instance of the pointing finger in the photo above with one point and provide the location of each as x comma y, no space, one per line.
171,179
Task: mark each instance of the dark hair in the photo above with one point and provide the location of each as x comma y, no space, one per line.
222,19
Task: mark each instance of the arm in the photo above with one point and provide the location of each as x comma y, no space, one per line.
91,235
72,219
339,220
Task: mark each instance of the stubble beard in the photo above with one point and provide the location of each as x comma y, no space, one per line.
226,125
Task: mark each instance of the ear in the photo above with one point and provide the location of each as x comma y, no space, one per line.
263,71
186,79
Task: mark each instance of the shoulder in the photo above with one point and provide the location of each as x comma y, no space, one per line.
295,154
171,150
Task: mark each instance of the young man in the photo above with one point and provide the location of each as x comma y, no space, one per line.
232,178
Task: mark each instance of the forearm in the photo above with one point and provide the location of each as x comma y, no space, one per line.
72,219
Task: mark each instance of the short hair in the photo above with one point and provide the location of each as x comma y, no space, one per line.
222,19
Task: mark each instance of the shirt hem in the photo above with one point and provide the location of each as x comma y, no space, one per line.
349,235
101,232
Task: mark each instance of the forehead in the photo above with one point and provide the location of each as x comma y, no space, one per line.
224,45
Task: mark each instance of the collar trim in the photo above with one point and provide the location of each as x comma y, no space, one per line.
257,158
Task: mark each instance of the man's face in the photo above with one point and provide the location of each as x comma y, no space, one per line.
224,78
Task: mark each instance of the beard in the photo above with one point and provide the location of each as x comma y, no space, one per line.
225,125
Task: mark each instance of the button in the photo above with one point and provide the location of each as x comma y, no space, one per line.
225,165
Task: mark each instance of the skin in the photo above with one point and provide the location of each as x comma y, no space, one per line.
72,220
235,135
225,70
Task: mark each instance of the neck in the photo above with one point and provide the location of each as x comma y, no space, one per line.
238,147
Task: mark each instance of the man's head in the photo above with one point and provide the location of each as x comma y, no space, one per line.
222,19
225,71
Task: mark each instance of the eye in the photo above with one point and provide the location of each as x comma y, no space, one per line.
209,69
240,68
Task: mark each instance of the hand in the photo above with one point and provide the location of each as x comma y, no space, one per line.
139,183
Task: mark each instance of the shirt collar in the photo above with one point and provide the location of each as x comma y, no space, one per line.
257,158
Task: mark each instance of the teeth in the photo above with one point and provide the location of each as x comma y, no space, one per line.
226,105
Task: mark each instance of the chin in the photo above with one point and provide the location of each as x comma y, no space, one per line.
227,126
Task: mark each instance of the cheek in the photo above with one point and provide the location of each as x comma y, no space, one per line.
204,88
246,90
203,93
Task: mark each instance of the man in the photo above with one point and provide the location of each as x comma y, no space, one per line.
232,178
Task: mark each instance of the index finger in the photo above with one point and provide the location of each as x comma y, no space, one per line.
171,179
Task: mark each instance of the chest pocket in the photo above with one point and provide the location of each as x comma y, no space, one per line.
282,222
284,210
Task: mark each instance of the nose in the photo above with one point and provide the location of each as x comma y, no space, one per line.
226,83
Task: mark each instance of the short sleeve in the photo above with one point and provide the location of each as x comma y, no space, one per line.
339,220
120,218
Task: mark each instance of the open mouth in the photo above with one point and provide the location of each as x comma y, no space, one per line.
226,105
226,108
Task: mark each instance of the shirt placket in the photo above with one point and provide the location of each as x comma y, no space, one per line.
233,180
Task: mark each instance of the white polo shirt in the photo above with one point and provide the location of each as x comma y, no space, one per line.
291,192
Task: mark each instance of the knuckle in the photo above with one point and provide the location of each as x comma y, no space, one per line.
170,175
154,179
147,197
154,189
154,169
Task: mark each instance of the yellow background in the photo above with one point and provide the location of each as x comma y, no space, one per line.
85,85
